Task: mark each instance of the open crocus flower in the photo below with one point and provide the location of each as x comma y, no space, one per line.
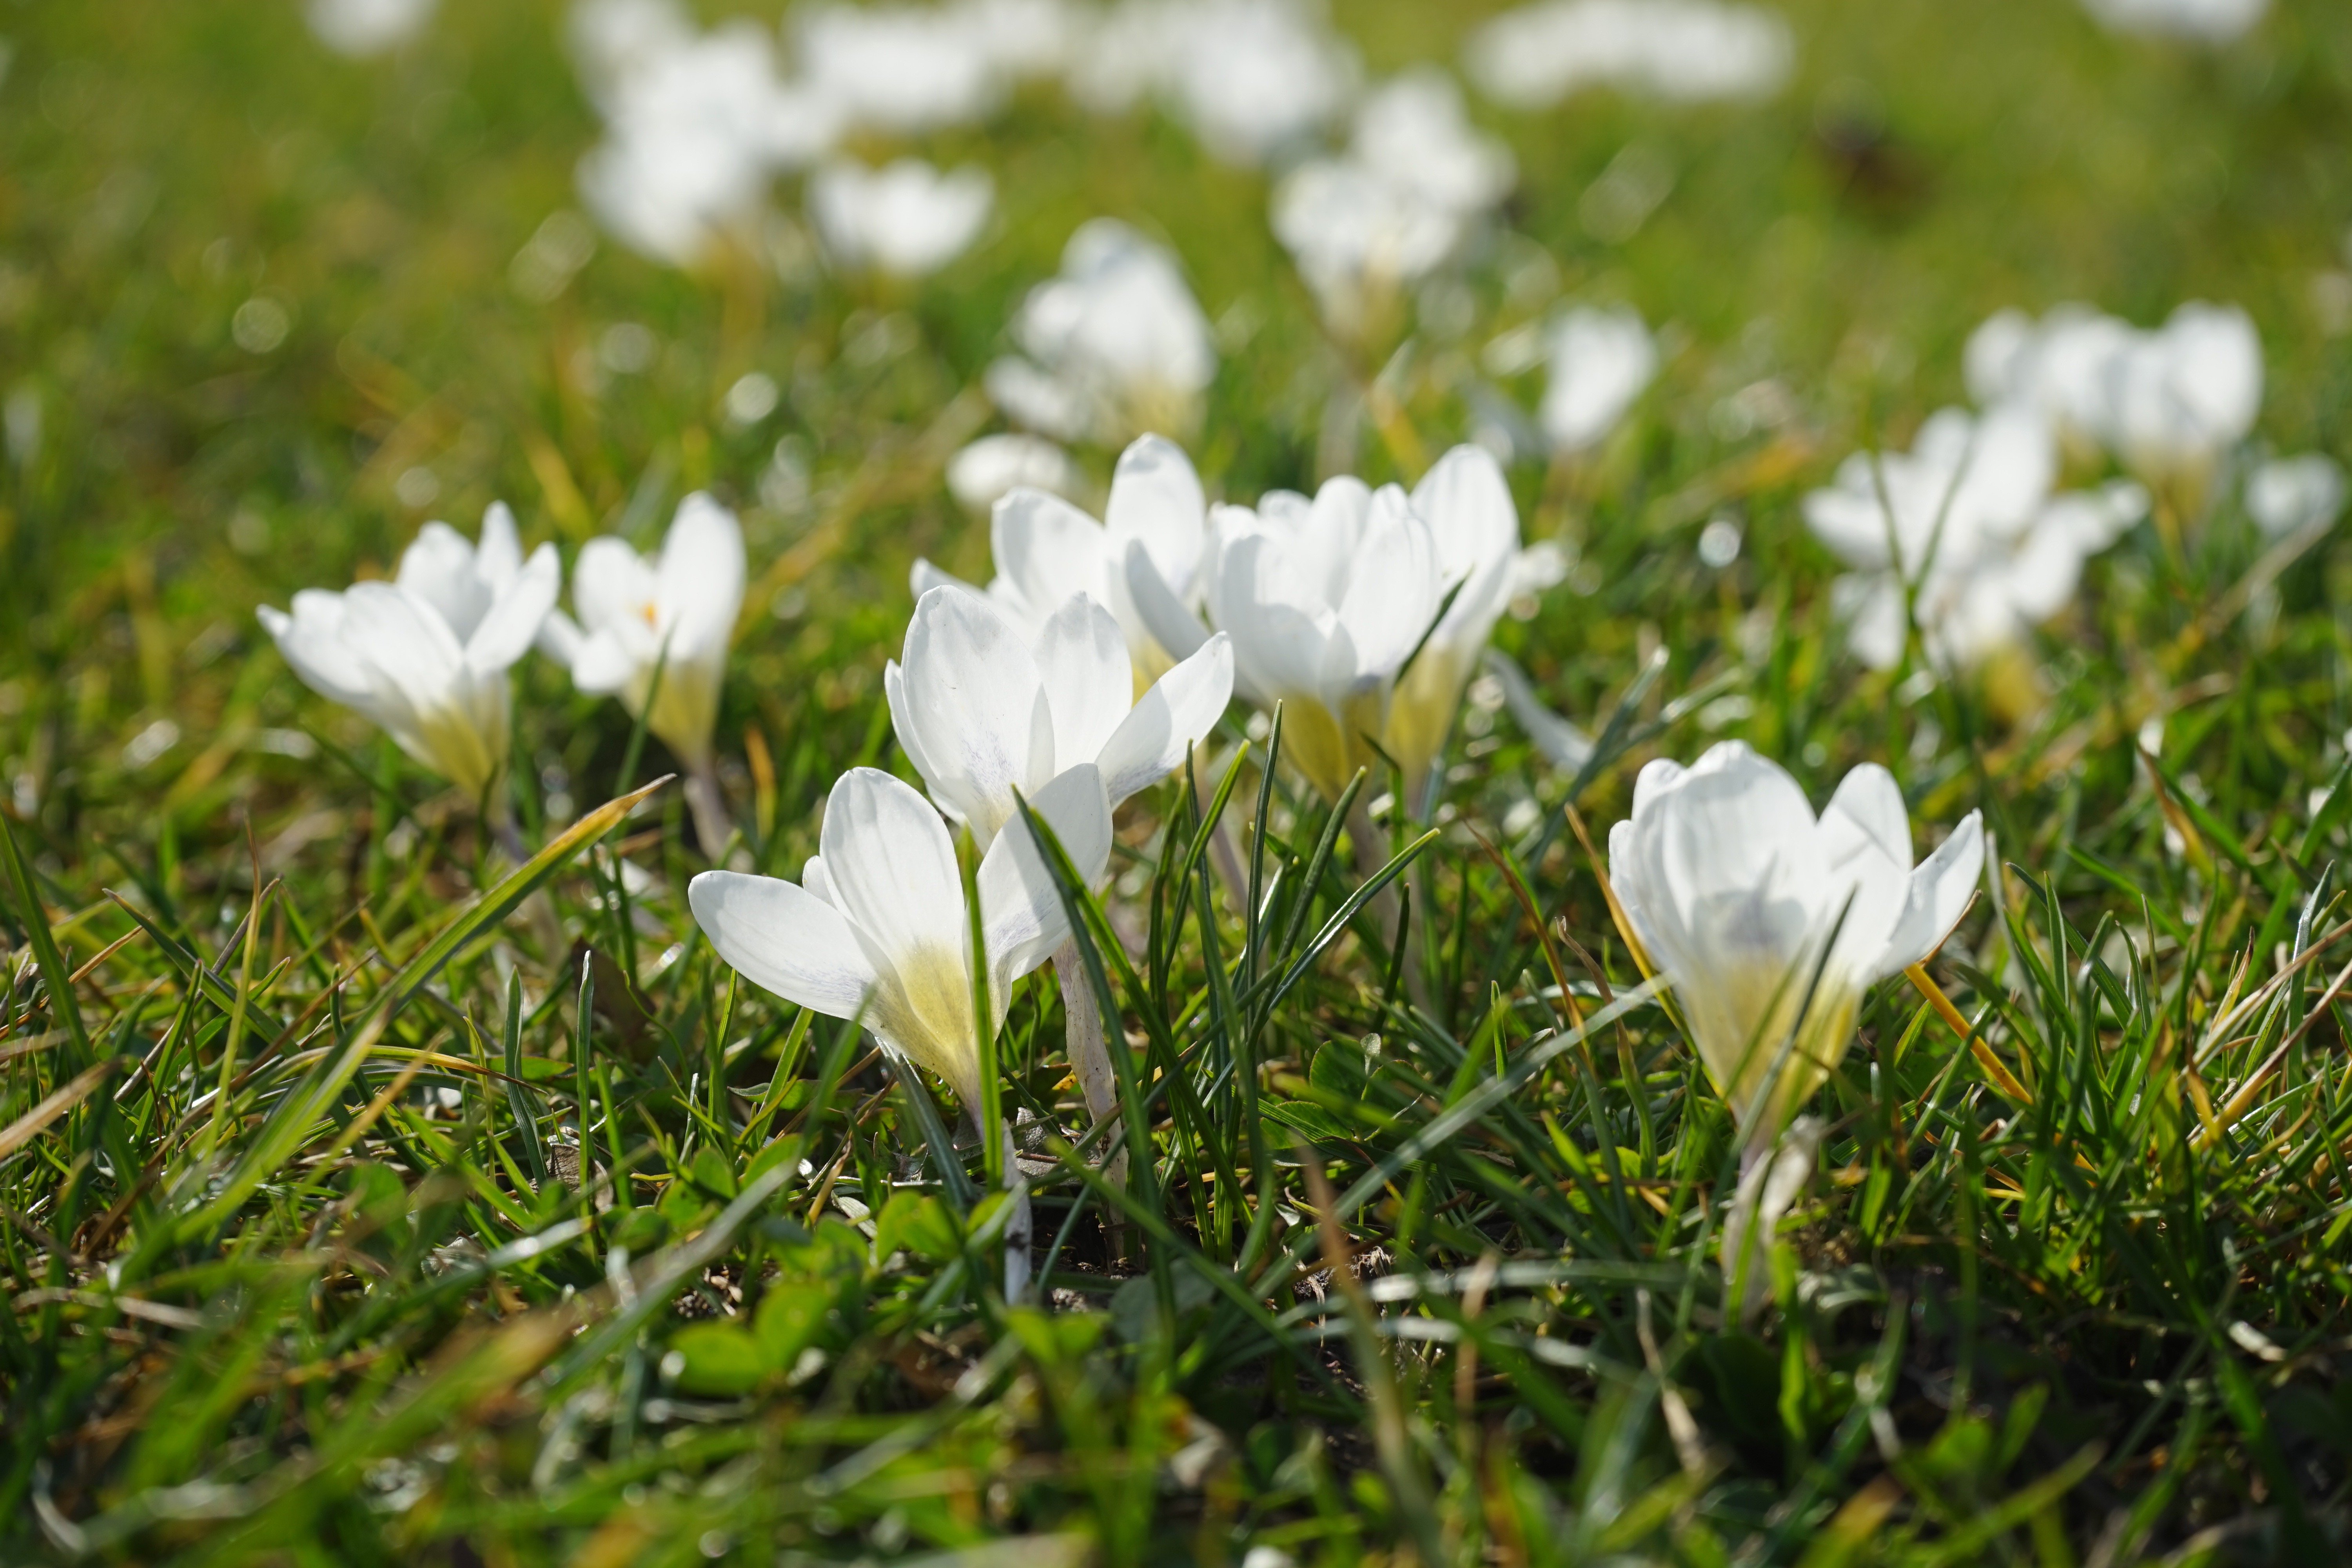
2287,495
1115,345
985,707
1681,50
425,656
1466,504
358,27
877,925
1601,360
1965,526
1047,549
2200,21
1250,77
1325,600
675,613
1769,922
907,219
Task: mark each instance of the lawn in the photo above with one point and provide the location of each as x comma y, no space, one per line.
401,1169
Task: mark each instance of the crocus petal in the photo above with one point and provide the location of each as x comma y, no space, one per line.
922,578
783,939
1156,501
890,867
560,638
1869,801
311,640
500,555
410,645
1173,718
1045,549
615,591
1394,588
1172,624
1563,745
1937,896
601,665
439,568
700,578
1088,679
970,694
515,616
1020,907
813,879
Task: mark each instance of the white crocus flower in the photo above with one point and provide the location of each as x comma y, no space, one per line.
1965,526
877,925
2200,21
667,618
1466,503
989,470
1325,600
359,27
1681,50
2287,495
1250,77
907,219
1045,549
899,68
425,657
1113,347
988,709
1770,923
1601,360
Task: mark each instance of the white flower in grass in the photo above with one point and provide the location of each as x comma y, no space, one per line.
1250,77
425,657
907,219
986,709
1769,922
994,467
1411,129
1965,522
1045,549
1601,360
1680,50
675,611
2287,495
359,27
2200,21
899,68
1325,600
1113,347
879,926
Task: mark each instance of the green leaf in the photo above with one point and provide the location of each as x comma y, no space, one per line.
719,1360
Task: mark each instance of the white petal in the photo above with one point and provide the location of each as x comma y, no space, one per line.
812,877
1466,503
500,555
922,578
560,638
602,666
891,868
1869,801
971,699
1174,717
784,939
1280,646
1564,745
1156,499
615,590
701,579
1393,587
1164,614
407,643
515,616
439,568
1937,897
1020,908
1088,680
311,640
1047,549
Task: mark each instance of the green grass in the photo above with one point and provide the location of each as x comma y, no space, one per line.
350,1312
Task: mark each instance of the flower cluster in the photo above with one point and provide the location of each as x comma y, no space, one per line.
1685,51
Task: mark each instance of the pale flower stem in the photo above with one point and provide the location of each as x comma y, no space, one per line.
1089,1056
712,826
1019,1226
1772,1174
538,909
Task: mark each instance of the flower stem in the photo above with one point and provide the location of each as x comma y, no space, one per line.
1089,1056
712,825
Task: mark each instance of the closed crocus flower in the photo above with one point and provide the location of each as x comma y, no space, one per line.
1047,549
906,219
1740,897
1601,360
1475,525
1325,600
673,613
425,656
2179,399
988,711
1115,345
2287,495
878,926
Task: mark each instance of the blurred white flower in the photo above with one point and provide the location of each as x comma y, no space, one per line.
1466,504
1965,523
2287,495
425,657
1046,550
1325,601
1250,77
899,69
1115,343
1024,38
674,612
2168,404
695,127
877,927
2203,21
1770,923
994,467
985,708
1600,361
359,27
907,219
1398,206
1684,50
